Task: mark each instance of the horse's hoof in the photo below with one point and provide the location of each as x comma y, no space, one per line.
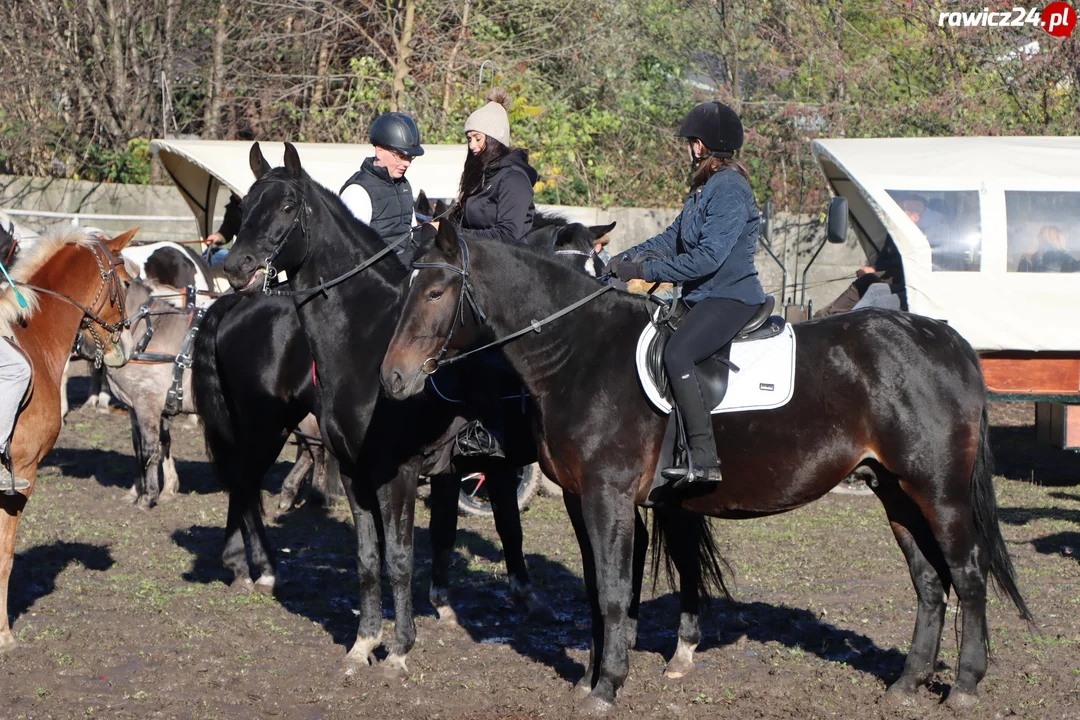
265,585
144,503
959,700
447,616
242,585
593,705
677,668
393,668
166,497
898,697
582,688
349,668
7,642
538,610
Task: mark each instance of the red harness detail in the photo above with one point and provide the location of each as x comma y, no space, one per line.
313,381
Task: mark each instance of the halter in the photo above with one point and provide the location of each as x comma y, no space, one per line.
429,366
302,213
111,291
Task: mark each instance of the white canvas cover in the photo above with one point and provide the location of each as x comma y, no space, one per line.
200,167
1012,197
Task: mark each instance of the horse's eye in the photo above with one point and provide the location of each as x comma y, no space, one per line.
287,208
435,294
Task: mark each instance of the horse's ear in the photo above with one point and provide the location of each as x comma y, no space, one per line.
599,231
446,240
119,242
292,161
258,163
423,205
440,208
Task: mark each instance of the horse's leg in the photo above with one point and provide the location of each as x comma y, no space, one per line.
168,465
443,531
609,521
502,490
11,508
572,502
290,487
318,474
63,390
262,556
99,397
641,551
398,503
234,555
682,540
930,576
364,505
148,452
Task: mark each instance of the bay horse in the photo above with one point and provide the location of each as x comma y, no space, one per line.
898,398
74,284
296,225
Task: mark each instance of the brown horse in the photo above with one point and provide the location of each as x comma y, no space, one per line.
74,283
894,397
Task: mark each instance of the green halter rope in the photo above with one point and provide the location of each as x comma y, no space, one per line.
18,295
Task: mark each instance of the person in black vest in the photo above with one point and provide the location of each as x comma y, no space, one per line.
378,194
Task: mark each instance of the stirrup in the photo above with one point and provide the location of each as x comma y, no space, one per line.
11,485
686,475
473,439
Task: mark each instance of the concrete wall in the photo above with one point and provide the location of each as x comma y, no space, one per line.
793,238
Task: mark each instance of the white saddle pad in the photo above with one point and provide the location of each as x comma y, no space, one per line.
765,381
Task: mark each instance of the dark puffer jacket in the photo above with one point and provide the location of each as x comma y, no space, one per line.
710,246
503,209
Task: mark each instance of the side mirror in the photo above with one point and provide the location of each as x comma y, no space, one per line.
836,222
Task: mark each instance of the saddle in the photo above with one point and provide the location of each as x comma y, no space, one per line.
713,372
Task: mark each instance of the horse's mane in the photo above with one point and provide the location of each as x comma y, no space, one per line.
30,262
543,219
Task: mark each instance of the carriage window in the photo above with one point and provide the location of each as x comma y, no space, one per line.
949,220
1043,231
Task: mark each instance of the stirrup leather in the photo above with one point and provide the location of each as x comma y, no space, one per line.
474,439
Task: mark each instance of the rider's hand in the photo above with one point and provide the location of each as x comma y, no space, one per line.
215,239
627,270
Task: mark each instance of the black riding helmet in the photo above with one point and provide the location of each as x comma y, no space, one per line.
396,131
716,125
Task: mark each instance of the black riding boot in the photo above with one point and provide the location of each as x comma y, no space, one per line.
703,465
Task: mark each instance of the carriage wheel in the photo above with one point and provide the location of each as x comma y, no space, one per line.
473,499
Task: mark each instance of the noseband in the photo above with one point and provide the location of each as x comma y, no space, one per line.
467,294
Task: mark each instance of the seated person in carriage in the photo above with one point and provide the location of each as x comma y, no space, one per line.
1050,255
226,232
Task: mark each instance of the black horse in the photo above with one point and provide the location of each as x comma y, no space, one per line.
297,225
896,397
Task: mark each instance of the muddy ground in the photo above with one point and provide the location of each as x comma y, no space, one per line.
126,614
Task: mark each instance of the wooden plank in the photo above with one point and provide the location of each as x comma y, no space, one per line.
1032,374
1072,427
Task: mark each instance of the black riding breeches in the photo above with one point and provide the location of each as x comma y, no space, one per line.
710,325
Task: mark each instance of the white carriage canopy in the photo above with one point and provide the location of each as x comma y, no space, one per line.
988,229
201,167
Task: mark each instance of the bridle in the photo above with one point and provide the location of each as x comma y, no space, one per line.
467,294
111,291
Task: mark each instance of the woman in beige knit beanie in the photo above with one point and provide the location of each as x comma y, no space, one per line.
496,195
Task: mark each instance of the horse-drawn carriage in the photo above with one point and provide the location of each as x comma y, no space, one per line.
988,234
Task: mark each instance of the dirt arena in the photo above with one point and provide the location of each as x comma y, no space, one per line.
127,614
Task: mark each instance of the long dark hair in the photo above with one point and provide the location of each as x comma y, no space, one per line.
711,165
476,167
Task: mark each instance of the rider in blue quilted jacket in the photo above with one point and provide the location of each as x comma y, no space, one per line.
710,250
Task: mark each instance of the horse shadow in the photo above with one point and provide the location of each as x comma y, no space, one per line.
35,571
724,624
1064,544
1018,456
112,469
312,549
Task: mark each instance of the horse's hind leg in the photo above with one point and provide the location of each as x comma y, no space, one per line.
681,539
234,555
168,465
443,532
502,489
930,575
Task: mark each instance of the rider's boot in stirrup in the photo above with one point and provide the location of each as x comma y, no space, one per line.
702,465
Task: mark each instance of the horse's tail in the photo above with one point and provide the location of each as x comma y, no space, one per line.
683,538
209,390
987,530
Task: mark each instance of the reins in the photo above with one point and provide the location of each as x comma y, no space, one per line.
432,364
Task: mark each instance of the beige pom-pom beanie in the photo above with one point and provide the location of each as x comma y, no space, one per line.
492,119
